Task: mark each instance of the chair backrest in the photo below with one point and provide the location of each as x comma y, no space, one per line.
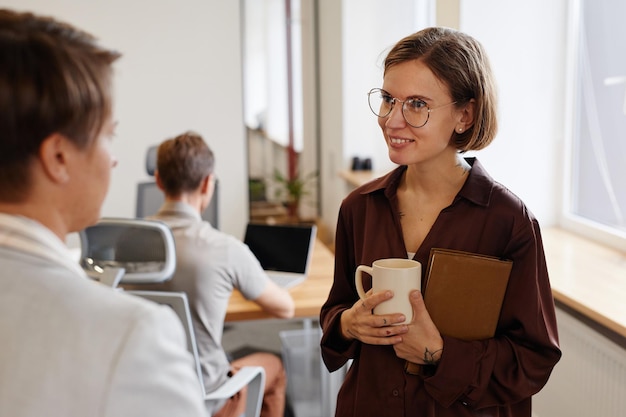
251,376
131,250
179,303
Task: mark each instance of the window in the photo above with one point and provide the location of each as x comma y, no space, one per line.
272,46
595,201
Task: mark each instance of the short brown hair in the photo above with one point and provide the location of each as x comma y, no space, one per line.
54,78
460,62
183,162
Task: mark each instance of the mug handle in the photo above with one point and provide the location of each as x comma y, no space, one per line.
358,278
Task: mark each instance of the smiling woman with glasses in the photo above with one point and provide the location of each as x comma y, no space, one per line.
436,102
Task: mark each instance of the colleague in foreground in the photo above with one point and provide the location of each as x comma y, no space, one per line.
437,101
70,346
210,264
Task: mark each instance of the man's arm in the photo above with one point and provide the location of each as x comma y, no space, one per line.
276,301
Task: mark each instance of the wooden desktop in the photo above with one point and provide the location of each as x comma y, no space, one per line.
308,296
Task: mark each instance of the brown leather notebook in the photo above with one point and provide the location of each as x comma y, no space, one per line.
464,293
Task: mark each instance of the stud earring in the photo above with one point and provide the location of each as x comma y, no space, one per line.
460,129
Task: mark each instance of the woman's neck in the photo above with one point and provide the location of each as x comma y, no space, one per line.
437,177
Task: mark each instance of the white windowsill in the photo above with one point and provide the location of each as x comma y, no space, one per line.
588,277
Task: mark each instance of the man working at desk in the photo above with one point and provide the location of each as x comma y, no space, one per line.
210,264
70,346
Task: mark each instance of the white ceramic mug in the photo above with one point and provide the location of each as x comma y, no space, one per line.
398,275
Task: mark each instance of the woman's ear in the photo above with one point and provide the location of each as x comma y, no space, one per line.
466,119
55,153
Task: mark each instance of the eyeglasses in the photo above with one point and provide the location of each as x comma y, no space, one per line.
415,111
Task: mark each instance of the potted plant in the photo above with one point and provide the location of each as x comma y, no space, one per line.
292,189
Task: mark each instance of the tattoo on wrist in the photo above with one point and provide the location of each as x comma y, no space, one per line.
432,358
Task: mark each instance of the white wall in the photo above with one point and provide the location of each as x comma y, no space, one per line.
180,70
526,44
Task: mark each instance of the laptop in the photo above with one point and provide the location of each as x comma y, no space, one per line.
283,250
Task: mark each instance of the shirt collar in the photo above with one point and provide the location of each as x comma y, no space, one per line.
477,188
179,209
29,236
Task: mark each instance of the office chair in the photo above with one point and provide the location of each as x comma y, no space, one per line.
137,251
252,376
132,251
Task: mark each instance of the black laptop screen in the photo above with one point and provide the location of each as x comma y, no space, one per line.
280,247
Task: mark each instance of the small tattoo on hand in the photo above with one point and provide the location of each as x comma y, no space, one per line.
429,357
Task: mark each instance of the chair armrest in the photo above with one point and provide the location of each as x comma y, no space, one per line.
254,378
111,276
